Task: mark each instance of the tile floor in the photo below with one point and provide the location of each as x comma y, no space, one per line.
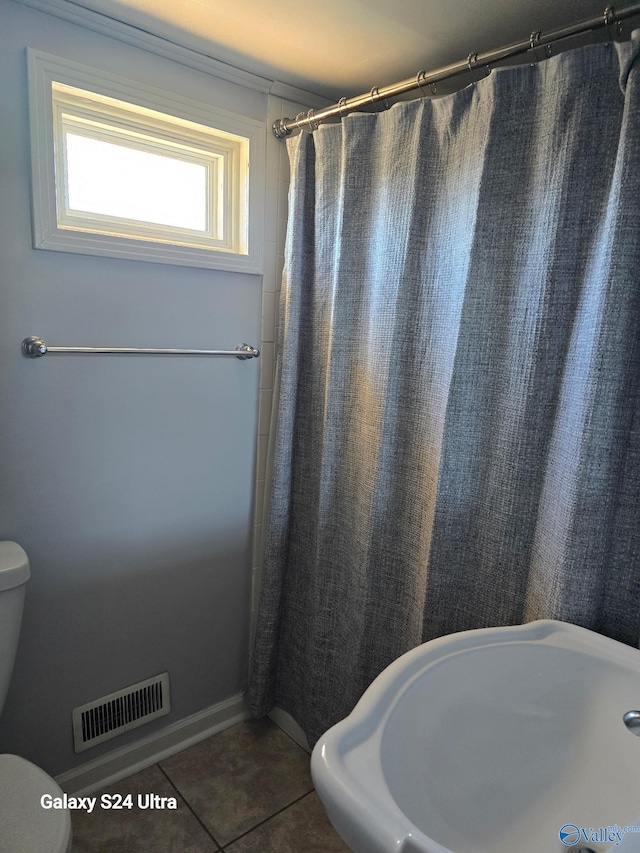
245,790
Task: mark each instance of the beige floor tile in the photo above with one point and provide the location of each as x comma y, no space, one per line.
301,828
139,830
240,777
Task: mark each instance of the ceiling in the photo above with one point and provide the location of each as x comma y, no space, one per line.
344,47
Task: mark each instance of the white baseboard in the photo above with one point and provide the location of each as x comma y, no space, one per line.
130,759
289,726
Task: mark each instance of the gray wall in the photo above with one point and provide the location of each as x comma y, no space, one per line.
128,480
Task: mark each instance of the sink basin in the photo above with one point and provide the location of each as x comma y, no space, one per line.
491,741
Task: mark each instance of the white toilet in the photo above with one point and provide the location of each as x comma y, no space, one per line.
25,827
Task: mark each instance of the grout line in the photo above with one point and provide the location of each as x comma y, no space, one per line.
267,819
188,805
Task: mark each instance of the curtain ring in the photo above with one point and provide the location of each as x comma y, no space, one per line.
609,17
313,123
534,42
309,124
432,86
342,104
374,95
472,62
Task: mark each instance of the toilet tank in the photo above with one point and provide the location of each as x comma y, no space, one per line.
14,573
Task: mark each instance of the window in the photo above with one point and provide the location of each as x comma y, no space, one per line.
122,177
146,175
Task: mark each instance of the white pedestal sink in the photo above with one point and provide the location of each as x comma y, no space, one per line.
501,740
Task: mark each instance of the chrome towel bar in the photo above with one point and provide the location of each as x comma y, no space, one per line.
35,347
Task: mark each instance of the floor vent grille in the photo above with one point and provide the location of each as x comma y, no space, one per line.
118,712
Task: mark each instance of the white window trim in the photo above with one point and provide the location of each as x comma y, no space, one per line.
44,69
111,121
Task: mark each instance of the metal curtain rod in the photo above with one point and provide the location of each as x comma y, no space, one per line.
35,347
540,45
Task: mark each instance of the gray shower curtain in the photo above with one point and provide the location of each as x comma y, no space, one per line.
458,441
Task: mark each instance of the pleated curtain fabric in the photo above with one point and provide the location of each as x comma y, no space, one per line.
458,438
